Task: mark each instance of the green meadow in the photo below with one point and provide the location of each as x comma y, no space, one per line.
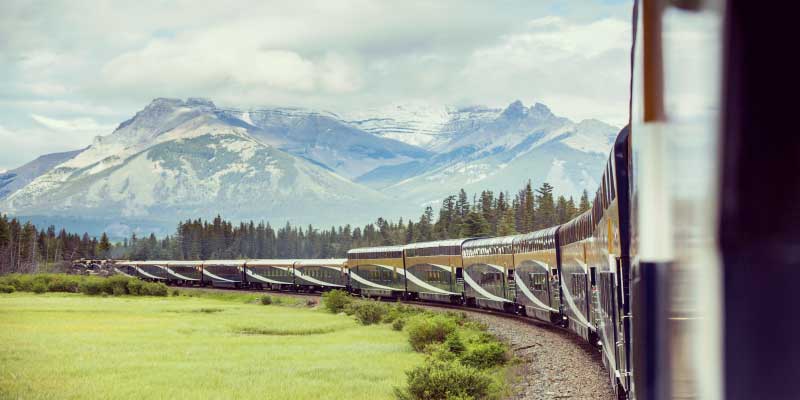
62,345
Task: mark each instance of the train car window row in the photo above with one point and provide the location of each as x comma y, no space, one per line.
535,244
489,250
433,251
376,255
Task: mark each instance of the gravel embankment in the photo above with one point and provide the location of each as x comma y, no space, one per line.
555,364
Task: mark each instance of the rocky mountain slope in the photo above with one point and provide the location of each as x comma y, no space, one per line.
180,159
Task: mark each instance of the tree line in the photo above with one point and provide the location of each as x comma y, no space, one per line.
26,249
486,214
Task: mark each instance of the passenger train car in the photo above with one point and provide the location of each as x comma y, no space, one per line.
682,273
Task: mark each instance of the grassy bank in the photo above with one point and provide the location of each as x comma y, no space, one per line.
462,360
211,345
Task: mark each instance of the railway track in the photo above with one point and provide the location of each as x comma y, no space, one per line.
553,363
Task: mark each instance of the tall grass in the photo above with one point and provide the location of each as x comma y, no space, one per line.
72,346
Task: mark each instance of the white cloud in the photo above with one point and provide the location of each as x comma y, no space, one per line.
78,71
579,70
71,125
25,144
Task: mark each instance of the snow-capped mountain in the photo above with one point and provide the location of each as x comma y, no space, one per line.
521,143
11,181
179,159
324,139
419,123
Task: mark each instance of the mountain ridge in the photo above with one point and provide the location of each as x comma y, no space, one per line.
191,158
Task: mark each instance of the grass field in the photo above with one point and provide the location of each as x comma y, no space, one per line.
59,345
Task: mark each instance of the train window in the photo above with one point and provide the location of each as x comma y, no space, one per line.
539,281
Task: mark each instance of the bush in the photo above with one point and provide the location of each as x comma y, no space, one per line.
117,285
398,324
425,330
65,283
442,380
153,289
91,287
176,292
485,355
370,312
440,351
336,301
135,287
266,300
39,287
6,288
454,344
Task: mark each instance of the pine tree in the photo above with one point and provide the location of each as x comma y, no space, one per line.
475,225
572,211
506,226
562,214
585,204
104,247
530,218
424,227
462,204
546,213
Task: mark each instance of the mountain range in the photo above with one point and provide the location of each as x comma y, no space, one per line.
178,159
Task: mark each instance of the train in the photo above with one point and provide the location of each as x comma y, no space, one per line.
683,273
572,275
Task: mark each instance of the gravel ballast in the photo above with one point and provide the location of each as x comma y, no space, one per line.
555,363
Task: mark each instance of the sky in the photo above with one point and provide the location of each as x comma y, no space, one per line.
73,70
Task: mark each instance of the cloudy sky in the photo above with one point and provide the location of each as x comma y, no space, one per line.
73,70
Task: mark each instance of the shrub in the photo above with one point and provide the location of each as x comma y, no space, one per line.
11,280
443,380
117,285
65,283
398,324
370,312
485,355
266,300
39,287
336,301
135,287
4,288
91,287
176,292
425,330
440,351
153,289
483,337
454,344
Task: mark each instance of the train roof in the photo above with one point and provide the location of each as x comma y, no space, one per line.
586,216
541,233
437,243
382,249
270,262
495,241
227,263
322,261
